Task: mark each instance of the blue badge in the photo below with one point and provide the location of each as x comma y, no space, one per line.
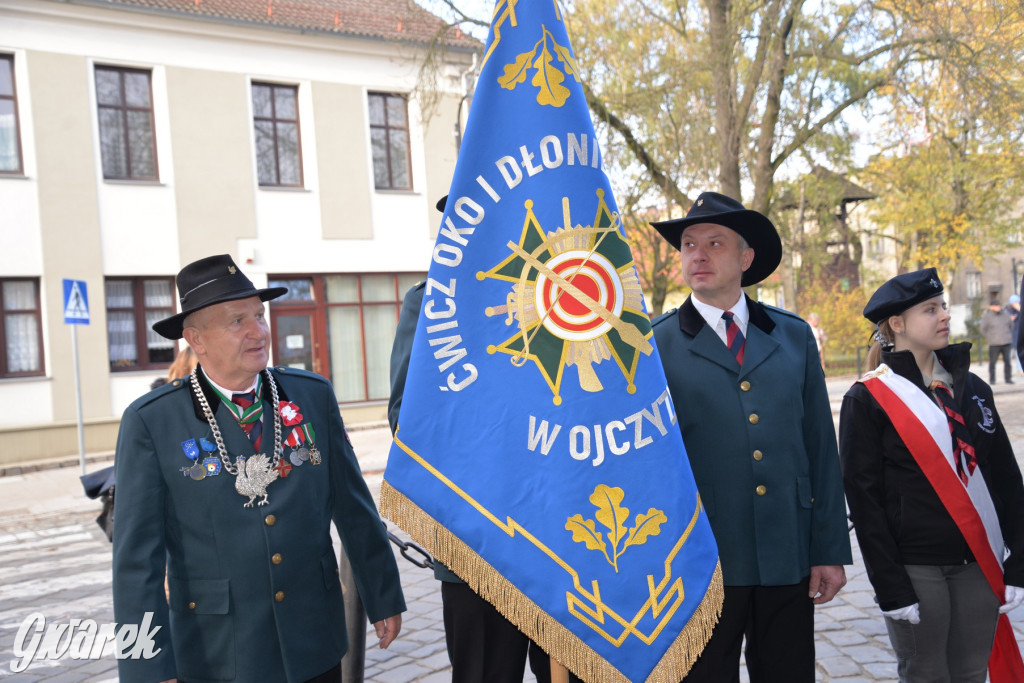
190,448
212,466
207,445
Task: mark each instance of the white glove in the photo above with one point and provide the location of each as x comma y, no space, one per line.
1014,596
911,614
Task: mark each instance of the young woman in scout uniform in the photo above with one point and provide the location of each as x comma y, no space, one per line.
934,492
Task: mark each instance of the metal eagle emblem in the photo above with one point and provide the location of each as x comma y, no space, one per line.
254,476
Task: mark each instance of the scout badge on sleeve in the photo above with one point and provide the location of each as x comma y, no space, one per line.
253,474
537,452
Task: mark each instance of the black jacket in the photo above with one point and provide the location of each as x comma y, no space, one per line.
898,516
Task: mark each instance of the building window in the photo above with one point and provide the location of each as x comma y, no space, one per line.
275,120
124,99
973,285
389,137
10,137
133,305
21,330
342,327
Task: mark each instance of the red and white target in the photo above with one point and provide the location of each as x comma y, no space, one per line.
564,315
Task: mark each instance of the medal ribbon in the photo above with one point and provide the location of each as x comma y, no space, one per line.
250,414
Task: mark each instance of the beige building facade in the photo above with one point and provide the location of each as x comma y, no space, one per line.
137,136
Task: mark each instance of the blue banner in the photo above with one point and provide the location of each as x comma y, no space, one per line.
537,451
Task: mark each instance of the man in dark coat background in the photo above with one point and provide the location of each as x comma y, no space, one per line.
754,413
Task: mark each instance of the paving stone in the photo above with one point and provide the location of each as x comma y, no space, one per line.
865,654
403,674
845,638
839,666
883,671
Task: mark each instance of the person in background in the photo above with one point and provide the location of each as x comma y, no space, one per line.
482,644
934,490
1014,310
819,336
997,328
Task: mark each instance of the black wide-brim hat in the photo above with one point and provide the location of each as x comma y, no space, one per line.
902,292
755,228
208,281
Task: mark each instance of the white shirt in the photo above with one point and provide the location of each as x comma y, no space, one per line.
227,392
713,316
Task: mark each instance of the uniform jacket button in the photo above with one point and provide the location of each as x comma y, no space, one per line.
758,455
744,385
191,605
271,520
279,596
276,558
754,419
761,490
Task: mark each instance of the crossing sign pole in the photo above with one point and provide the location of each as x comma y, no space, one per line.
76,312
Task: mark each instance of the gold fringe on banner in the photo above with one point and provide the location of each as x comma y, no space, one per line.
539,626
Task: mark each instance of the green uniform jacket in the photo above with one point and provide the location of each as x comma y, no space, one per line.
761,443
254,592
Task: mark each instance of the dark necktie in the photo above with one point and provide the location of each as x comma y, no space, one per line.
733,337
963,451
250,421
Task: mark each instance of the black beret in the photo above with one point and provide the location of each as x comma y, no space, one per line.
902,292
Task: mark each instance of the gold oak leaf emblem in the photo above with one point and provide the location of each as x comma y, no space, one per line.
613,516
548,76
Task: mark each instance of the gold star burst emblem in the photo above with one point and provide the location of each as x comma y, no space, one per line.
574,298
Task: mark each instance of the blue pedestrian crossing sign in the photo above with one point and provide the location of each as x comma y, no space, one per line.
76,303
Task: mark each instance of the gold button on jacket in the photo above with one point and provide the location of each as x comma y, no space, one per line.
761,490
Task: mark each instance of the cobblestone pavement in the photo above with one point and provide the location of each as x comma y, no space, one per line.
55,561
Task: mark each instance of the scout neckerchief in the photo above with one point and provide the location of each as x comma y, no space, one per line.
255,473
924,429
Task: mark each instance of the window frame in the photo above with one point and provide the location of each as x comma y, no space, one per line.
319,307
38,313
139,310
387,128
274,120
13,98
124,108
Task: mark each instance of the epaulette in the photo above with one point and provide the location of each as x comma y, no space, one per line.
160,392
783,311
664,316
295,372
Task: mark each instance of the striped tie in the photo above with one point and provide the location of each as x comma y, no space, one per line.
963,450
253,424
734,337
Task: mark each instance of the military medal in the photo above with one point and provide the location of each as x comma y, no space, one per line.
252,474
190,448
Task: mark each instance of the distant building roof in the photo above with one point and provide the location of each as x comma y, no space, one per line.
397,20
851,191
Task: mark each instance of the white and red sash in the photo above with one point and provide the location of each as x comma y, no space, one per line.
923,427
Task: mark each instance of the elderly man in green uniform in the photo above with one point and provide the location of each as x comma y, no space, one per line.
754,414
230,479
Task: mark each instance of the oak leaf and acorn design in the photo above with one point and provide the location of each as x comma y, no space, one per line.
614,517
548,76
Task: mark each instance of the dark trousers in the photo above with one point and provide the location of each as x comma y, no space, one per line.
485,646
778,622
993,355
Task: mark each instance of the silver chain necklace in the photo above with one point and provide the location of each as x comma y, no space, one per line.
253,474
